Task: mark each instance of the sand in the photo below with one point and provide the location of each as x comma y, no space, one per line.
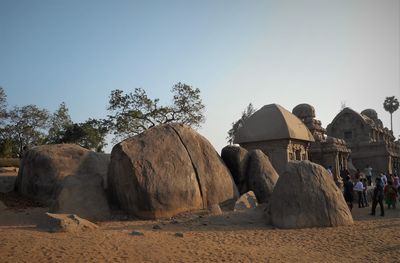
231,237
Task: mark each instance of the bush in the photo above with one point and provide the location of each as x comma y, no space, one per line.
9,162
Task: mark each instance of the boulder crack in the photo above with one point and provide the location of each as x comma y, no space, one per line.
194,168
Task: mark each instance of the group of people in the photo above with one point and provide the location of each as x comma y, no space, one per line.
386,189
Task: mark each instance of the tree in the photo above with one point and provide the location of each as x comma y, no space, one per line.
90,134
237,124
391,104
133,113
26,126
59,122
3,105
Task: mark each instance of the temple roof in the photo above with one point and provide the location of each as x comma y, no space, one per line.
272,122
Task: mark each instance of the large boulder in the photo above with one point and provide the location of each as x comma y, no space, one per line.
235,158
83,193
261,175
44,167
167,170
306,196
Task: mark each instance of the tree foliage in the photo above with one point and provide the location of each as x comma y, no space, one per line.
90,134
391,104
25,126
133,113
60,120
237,124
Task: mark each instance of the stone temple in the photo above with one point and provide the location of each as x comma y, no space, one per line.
278,133
370,142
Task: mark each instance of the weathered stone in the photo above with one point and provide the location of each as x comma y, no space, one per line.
235,158
66,223
137,233
83,192
306,196
261,175
246,201
167,170
215,209
44,167
2,206
179,234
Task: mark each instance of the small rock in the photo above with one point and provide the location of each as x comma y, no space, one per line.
204,224
137,233
66,223
215,209
174,221
179,234
156,227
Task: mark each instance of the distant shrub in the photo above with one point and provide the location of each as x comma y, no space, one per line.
9,162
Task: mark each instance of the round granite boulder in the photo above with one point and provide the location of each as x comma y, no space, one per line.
261,176
235,158
306,196
166,170
44,167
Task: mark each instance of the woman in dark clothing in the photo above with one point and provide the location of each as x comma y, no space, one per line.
378,197
348,192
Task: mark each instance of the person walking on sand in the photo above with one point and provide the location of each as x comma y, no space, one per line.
378,197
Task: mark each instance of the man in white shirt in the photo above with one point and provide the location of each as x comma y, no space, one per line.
359,188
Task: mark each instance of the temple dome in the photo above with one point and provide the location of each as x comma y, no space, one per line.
272,122
304,110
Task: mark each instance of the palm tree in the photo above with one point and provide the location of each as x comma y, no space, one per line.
391,104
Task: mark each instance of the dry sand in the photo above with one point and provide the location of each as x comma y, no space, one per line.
231,237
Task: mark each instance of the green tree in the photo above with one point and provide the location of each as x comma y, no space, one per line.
26,126
237,124
391,104
133,113
59,122
90,134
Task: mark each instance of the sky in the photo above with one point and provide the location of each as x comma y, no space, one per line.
325,53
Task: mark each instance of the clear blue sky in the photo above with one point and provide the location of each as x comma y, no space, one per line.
287,52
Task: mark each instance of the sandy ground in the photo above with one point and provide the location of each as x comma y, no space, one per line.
231,237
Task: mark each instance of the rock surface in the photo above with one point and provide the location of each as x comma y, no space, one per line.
66,223
44,167
235,158
215,210
306,196
246,201
83,192
167,170
261,175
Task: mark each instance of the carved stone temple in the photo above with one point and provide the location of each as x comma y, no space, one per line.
278,133
370,142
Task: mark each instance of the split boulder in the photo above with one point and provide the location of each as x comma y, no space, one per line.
166,170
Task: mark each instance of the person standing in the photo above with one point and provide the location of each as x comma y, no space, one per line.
378,197
348,192
359,188
368,174
390,195
364,194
